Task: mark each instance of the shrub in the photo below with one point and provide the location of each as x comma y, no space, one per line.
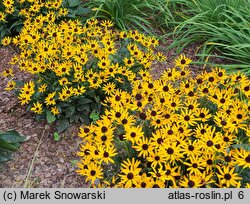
176,131
75,65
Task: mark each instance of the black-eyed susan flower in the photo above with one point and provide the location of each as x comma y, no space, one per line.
109,88
8,72
227,176
190,181
130,173
133,134
195,165
2,17
50,100
55,110
10,86
6,41
106,153
187,118
145,181
182,61
42,88
37,108
143,146
242,158
93,172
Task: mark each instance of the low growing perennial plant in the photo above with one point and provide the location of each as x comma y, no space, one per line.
176,131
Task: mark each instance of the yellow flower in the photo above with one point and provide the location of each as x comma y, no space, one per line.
105,154
42,88
2,16
8,3
50,100
55,110
182,61
6,41
227,176
10,86
37,108
109,88
242,158
8,72
93,172
191,181
130,173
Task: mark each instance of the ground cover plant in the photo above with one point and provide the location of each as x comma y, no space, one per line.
220,26
176,131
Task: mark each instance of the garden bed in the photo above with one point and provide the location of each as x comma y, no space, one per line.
51,163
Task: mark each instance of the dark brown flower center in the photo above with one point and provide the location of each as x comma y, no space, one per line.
92,172
191,148
170,150
144,146
191,184
247,159
104,129
210,143
227,159
106,154
130,176
227,176
157,158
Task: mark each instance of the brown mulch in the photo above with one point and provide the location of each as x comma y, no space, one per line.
53,165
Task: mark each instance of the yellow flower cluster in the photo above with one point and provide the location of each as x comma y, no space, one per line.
70,58
27,9
176,131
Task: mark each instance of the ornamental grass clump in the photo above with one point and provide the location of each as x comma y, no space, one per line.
176,131
221,27
75,66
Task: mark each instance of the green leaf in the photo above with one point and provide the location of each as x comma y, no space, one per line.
17,23
5,156
94,115
63,125
73,3
56,136
95,106
85,119
83,107
7,145
70,111
12,136
63,104
82,11
50,117
3,32
84,100
74,118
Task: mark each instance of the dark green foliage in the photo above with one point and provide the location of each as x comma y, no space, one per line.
220,25
9,142
144,15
